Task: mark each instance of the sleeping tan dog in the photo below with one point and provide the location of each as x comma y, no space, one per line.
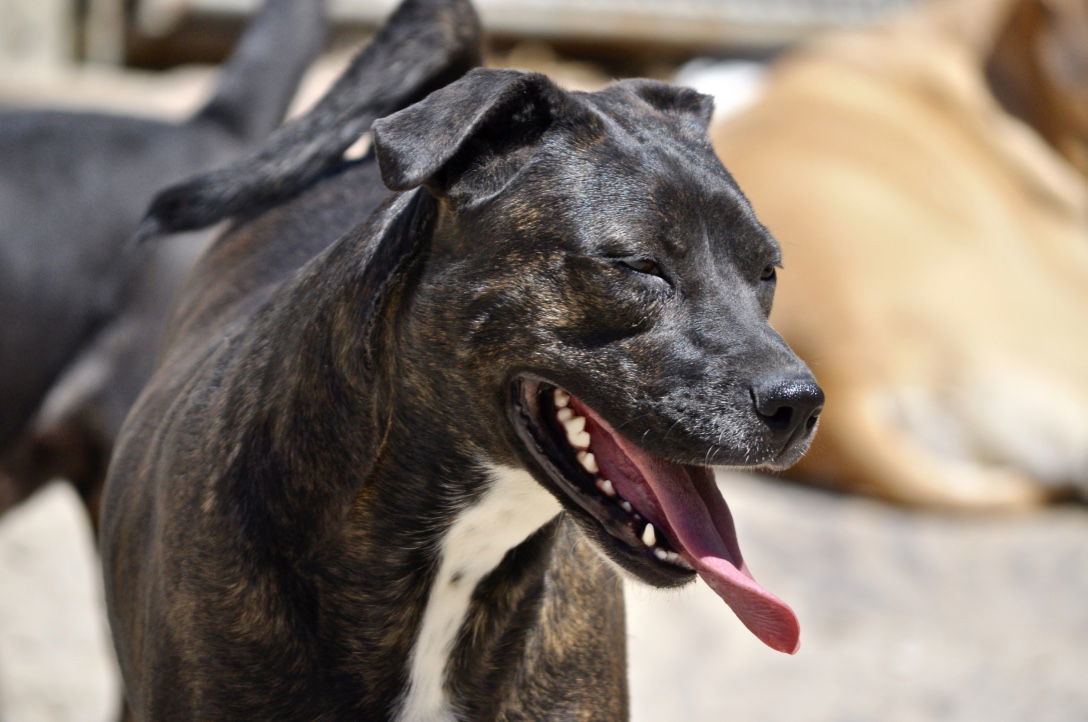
928,180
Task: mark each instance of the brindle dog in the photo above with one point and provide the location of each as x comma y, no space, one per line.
390,446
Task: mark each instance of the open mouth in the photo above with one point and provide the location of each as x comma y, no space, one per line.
663,521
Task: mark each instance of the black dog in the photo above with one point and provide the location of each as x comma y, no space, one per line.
372,474
81,319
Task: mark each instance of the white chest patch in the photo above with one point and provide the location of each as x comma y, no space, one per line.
513,508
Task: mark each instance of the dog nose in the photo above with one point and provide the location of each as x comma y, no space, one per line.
788,403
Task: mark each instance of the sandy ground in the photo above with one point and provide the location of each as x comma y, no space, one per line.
906,617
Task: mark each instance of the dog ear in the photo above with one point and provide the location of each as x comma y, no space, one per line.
395,239
424,45
467,141
692,108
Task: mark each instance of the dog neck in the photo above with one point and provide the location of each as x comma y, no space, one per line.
460,591
513,508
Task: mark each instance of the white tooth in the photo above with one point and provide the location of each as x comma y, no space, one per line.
648,536
679,560
575,424
562,398
564,414
588,461
661,554
625,505
606,486
579,440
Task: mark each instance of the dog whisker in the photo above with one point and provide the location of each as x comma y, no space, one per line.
630,420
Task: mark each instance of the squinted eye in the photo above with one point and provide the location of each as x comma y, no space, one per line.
643,265
769,274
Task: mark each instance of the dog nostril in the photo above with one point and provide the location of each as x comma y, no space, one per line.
780,419
788,403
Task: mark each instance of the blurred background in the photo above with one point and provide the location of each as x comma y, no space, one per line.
925,167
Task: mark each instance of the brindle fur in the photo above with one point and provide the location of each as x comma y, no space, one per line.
337,384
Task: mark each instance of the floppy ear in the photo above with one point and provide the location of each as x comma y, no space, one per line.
466,141
687,105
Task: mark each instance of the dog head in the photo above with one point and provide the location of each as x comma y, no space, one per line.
1063,51
1038,70
595,294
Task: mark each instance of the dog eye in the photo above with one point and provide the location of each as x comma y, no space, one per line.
644,265
769,274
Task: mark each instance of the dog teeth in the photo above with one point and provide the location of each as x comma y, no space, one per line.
674,558
588,462
648,536
575,426
671,557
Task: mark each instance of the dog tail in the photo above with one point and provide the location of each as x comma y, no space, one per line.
424,45
261,77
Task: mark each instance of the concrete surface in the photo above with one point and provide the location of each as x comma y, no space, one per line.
56,663
905,618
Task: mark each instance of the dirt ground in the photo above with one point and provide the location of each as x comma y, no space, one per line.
905,617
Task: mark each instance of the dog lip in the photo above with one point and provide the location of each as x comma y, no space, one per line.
792,450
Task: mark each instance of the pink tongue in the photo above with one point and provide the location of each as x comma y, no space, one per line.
698,523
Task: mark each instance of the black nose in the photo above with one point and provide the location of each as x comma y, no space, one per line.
788,404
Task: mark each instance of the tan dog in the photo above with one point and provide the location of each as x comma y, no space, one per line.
927,180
